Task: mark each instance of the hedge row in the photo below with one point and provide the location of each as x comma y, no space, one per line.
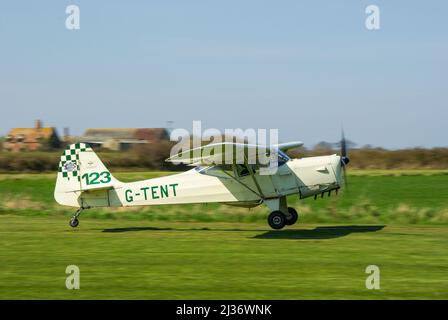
152,157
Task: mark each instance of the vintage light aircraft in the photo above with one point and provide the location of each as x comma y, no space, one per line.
84,182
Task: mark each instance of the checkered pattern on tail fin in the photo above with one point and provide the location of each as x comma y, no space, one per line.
69,163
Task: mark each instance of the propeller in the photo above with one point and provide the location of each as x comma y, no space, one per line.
344,157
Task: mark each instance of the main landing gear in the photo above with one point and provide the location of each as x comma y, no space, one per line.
277,219
281,214
74,222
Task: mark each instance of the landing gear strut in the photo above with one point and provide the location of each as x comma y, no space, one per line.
74,222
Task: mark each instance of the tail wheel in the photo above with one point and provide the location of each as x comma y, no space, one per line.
276,220
74,222
293,216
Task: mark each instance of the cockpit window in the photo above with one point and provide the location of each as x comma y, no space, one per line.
282,158
242,170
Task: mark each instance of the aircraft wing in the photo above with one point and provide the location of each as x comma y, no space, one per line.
224,153
289,145
231,153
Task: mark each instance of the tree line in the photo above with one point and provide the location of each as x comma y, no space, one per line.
152,157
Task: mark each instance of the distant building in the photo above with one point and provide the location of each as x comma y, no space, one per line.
31,139
123,139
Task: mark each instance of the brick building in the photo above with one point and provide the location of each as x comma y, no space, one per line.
31,139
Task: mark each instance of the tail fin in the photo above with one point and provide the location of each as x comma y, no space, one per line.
80,170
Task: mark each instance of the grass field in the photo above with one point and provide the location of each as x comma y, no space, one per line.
395,220
169,260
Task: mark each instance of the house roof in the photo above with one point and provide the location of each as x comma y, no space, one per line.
130,134
111,133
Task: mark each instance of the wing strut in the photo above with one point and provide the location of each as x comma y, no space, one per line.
251,171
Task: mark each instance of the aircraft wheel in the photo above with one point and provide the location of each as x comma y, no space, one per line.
277,220
293,216
74,222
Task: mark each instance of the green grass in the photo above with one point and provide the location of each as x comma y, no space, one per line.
125,259
397,220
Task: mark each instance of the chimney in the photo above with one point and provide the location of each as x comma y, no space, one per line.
66,134
38,124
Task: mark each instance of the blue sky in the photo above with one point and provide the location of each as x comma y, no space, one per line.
304,67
